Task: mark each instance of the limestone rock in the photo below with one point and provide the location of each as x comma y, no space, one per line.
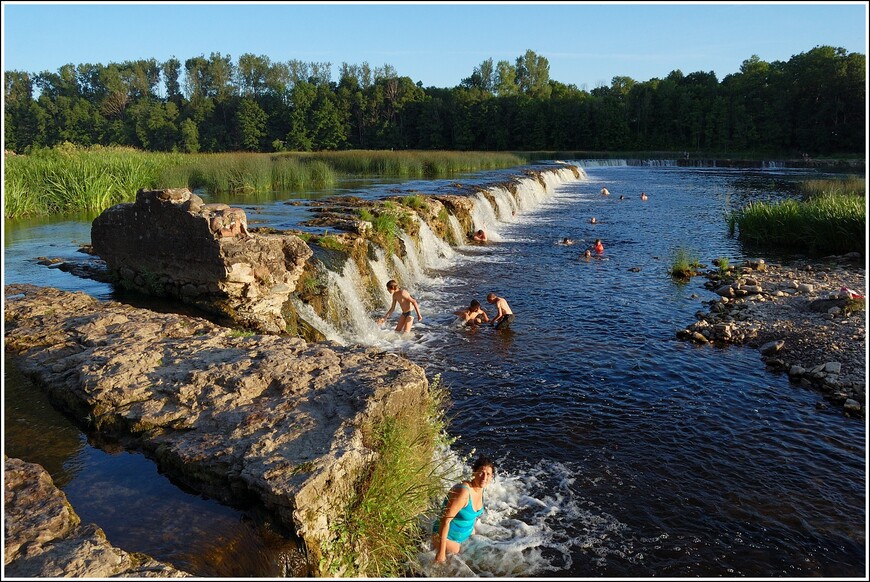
45,538
265,417
169,243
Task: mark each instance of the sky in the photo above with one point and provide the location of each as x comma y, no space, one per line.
436,43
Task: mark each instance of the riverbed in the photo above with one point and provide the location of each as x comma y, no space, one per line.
622,451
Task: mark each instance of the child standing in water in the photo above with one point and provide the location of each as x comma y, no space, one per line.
505,317
402,298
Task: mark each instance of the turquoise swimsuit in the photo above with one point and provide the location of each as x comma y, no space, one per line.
462,525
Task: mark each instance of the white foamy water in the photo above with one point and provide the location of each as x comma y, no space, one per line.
524,527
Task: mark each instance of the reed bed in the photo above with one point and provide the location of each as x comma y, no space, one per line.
72,179
412,164
69,179
831,219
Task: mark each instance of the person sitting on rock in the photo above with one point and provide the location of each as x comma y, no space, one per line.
479,236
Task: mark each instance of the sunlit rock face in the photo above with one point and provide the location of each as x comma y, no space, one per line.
242,418
169,243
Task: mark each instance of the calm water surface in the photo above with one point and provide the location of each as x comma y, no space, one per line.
622,452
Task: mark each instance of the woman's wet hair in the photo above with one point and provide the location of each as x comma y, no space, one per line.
475,304
481,462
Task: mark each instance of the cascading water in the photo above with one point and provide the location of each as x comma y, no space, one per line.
435,251
456,230
356,303
378,267
505,204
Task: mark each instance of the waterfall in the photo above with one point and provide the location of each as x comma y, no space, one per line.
353,310
484,218
456,229
412,259
379,270
355,301
599,163
436,253
307,313
505,204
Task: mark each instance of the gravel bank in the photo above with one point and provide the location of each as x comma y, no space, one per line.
801,320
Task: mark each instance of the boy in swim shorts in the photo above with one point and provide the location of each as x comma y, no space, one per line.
505,317
402,298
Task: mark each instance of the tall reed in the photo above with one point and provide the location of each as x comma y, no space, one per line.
831,219
412,163
69,179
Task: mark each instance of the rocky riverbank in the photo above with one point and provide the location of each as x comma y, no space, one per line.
808,319
44,538
237,416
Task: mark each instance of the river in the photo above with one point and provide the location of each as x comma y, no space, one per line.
621,451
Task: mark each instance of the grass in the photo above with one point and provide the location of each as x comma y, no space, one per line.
328,241
415,201
412,163
68,178
236,332
385,225
684,264
831,219
380,530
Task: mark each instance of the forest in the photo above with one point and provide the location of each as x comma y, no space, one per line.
813,104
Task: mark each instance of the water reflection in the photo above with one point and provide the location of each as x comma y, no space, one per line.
35,431
140,509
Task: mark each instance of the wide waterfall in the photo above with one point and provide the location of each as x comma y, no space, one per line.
356,292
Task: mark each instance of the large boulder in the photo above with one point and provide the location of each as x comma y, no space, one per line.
238,417
170,243
44,538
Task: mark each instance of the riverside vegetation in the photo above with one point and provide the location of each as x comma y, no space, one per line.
831,219
68,178
814,104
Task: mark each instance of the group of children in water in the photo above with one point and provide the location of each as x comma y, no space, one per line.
473,315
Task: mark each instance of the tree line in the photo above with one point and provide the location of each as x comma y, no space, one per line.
813,103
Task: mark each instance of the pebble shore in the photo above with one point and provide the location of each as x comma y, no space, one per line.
808,319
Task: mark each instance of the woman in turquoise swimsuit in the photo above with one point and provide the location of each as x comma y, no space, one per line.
461,509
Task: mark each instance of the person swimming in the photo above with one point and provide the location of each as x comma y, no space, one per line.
597,246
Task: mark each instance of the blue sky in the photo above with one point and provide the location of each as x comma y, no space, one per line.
439,43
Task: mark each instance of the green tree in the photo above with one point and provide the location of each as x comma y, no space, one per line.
327,128
171,76
189,136
506,80
533,75
21,115
251,125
